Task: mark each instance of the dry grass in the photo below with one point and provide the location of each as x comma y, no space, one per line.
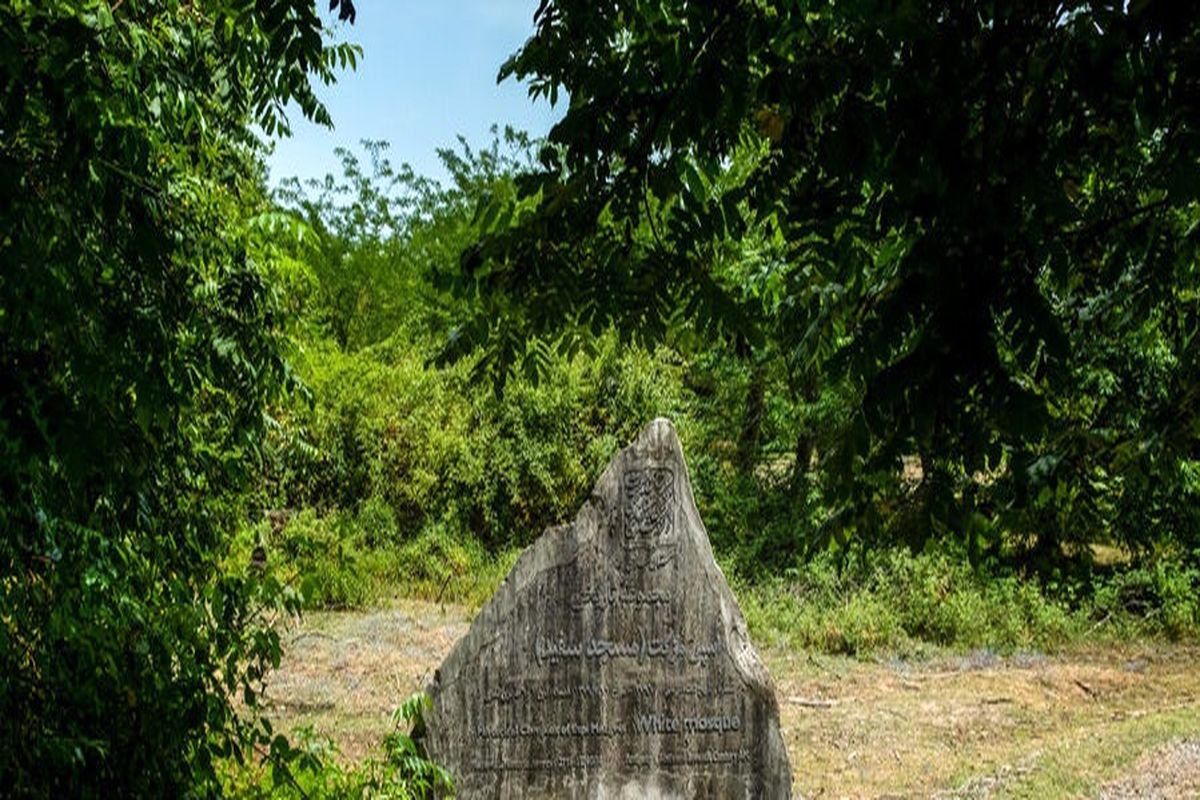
347,672
1074,725
981,726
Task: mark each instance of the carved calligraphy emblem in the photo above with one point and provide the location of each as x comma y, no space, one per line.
649,503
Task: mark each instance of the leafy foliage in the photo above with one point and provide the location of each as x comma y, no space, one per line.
976,222
428,445
432,450
139,345
403,773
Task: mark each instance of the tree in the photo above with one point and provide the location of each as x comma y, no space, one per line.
139,344
375,237
929,202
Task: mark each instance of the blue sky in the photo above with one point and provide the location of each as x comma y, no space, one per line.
427,73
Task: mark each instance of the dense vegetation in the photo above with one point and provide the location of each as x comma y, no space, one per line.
917,283
140,342
976,222
403,475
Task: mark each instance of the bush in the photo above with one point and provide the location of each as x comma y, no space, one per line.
1161,598
325,558
425,447
894,601
341,560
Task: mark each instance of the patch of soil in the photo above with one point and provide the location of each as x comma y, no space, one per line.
1170,772
346,673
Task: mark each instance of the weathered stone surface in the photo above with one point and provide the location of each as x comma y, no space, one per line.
613,662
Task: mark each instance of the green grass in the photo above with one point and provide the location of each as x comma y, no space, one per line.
341,560
1091,758
888,603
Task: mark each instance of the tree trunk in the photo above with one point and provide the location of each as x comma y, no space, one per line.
750,439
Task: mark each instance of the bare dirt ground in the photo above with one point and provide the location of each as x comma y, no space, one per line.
1101,723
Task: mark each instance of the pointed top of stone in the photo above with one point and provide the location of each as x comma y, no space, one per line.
613,661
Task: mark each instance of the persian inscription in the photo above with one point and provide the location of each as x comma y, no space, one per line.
613,661
668,648
610,594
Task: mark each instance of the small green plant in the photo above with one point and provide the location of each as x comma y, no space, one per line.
310,770
410,767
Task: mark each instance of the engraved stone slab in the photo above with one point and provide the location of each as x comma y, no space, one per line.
613,662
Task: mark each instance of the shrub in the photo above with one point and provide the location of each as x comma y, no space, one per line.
388,430
1161,598
894,601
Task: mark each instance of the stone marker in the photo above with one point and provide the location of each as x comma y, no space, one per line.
613,662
